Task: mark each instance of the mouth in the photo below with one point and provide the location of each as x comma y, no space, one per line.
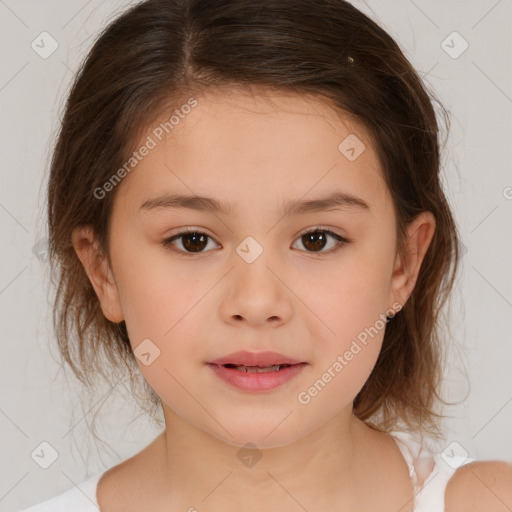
256,361
257,369
257,378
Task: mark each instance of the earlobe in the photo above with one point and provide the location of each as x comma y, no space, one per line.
98,271
407,266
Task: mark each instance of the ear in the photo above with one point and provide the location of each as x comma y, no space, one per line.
420,232
98,270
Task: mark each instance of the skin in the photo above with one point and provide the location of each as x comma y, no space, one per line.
257,152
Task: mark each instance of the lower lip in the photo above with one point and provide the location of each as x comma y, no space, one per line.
255,381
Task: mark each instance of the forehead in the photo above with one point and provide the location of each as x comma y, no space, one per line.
259,147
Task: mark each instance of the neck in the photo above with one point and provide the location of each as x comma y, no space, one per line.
203,471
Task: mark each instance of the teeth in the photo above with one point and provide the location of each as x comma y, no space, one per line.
257,369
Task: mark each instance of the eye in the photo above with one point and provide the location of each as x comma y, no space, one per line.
193,241
316,239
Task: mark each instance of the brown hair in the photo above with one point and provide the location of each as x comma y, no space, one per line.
158,53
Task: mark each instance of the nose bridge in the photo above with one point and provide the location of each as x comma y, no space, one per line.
255,259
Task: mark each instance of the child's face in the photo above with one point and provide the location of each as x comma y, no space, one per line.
298,297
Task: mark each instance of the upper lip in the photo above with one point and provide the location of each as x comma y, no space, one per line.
263,359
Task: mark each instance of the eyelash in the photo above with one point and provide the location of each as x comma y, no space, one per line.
341,240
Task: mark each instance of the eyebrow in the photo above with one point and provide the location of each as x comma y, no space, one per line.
335,200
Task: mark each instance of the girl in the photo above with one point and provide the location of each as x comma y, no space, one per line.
245,205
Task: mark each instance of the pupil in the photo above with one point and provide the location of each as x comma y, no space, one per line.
314,238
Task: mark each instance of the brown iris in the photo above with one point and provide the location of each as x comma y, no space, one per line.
194,242
316,239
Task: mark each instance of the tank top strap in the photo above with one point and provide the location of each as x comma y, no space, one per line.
429,471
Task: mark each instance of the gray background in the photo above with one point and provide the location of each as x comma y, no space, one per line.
39,404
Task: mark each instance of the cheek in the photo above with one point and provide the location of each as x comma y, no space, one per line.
162,325
346,351
350,300
163,312
348,324
154,293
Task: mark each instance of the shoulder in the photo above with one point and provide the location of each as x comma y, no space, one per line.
72,498
78,499
481,486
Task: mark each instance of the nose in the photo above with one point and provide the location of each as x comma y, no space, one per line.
257,293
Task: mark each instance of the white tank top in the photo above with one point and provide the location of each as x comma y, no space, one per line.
429,471
429,474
